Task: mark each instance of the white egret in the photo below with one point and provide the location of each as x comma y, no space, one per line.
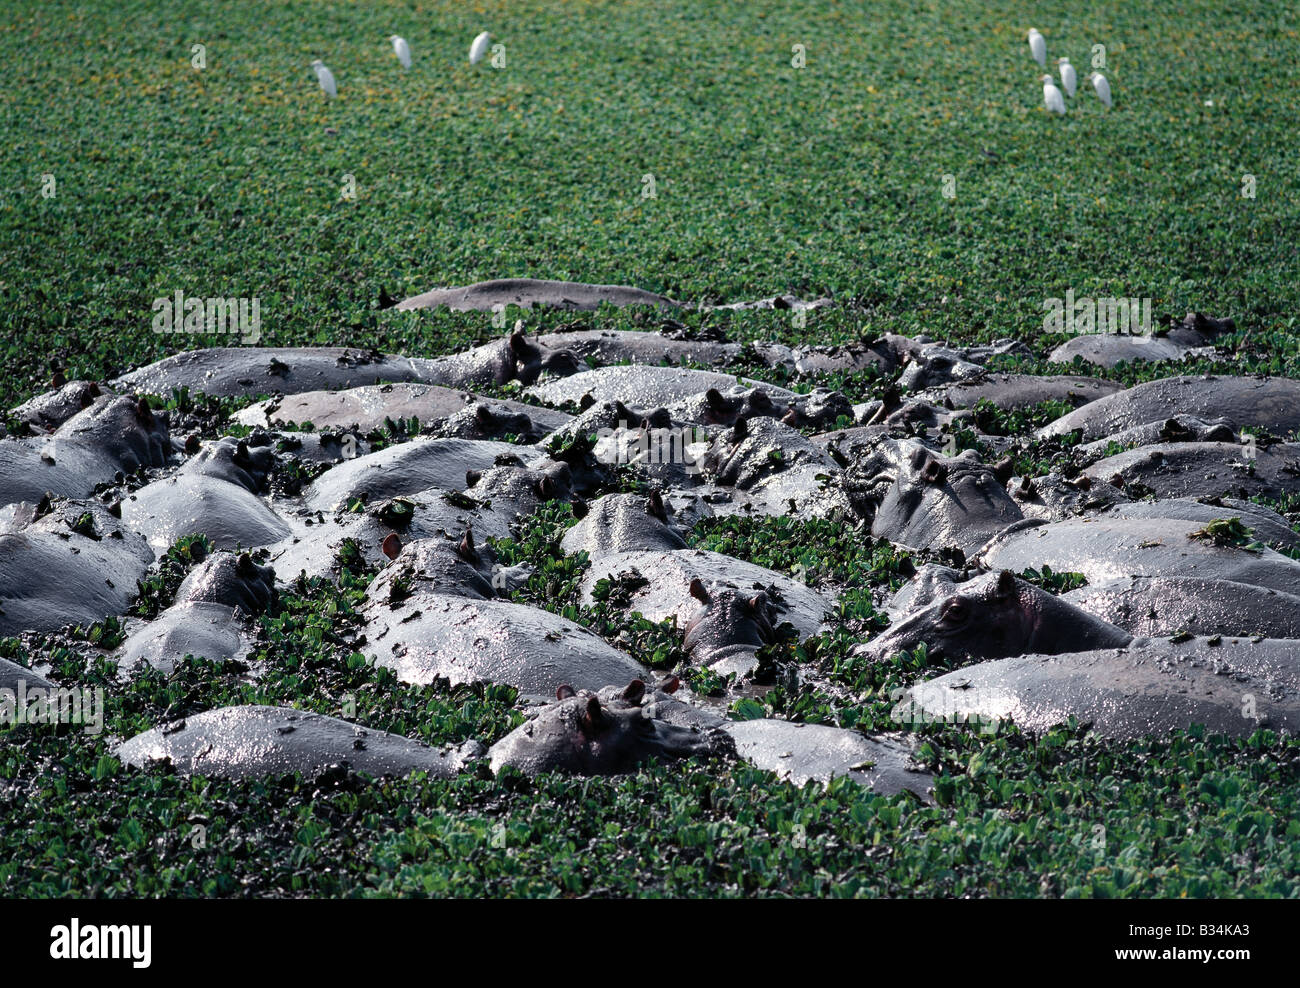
401,49
1051,95
1068,78
1100,84
479,48
1038,45
326,78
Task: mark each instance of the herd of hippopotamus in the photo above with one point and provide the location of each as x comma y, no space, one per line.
1190,613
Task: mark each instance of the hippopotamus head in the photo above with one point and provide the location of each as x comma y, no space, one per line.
935,366
932,501
992,617
233,580
485,421
435,565
738,403
750,450
581,734
728,621
125,427
531,360
248,463
821,408
511,483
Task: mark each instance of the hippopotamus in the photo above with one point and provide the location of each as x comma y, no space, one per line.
1152,685
215,493
803,753
368,408
1175,429
1167,605
407,468
766,467
46,412
76,563
585,733
924,500
1268,526
113,435
936,365
209,617
493,420
1269,403
994,616
820,408
728,629
1052,497
849,358
1011,391
495,295
1194,336
670,575
643,386
1105,548
614,346
423,635
250,742
624,523
1197,468
14,677
435,565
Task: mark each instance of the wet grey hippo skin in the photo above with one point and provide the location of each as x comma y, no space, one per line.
253,741
1195,332
1192,469
216,492
669,576
1268,526
1175,429
13,677
1149,606
819,409
1105,549
488,296
46,412
803,753
582,735
1010,391
643,386
623,523
1153,685
1270,403
924,500
75,564
728,629
994,616
113,435
1053,498
209,618
367,408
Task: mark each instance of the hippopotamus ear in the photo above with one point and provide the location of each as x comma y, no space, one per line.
655,507
483,415
244,565
740,430
586,401
755,603
241,452
466,549
391,546
579,508
546,488
192,444
564,691
1006,584
1004,469
519,344
713,397
593,716
635,690
760,399
699,593
791,417
625,414
670,685
143,411
472,477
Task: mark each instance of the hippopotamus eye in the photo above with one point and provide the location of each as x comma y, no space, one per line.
955,609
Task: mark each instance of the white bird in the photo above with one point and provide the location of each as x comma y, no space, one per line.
326,78
1052,96
401,49
1038,46
1068,79
1100,84
479,48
